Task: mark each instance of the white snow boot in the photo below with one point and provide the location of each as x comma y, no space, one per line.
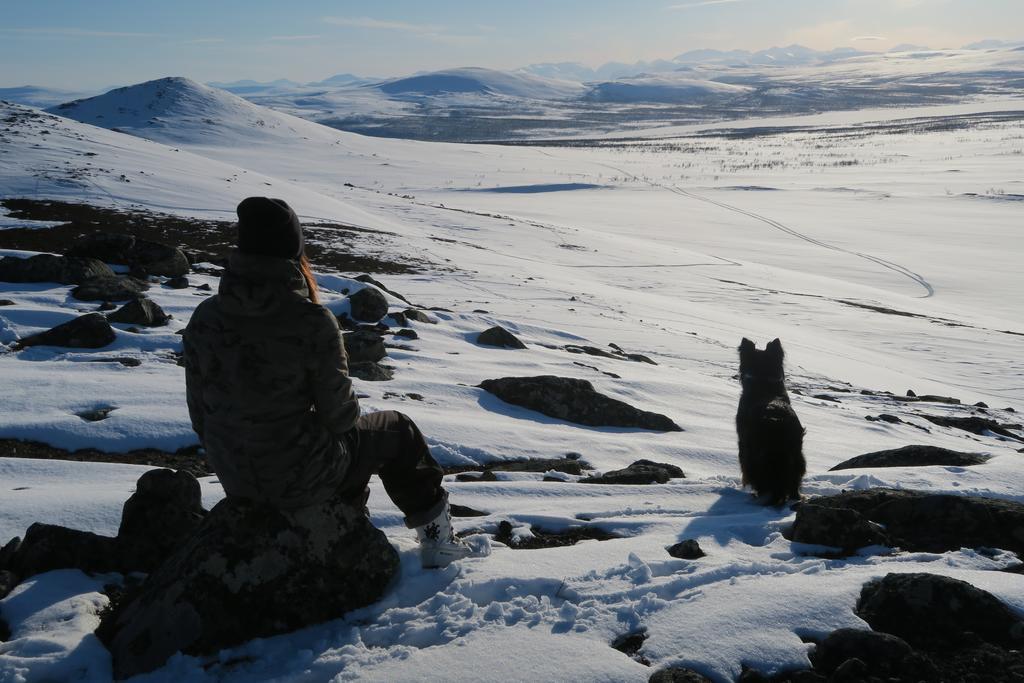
439,546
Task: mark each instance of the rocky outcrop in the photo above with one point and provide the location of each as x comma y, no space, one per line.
913,520
881,654
145,312
251,571
50,268
976,425
500,337
575,400
162,512
677,674
368,304
933,611
913,456
89,331
370,371
139,254
112,288
364,346
640,472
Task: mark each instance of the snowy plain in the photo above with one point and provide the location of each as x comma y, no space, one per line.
885,259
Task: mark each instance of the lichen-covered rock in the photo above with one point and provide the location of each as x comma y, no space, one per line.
252,571
47,547
500,337
109,288
418,316
142,311
883,654
913,456
574,400
368,304
370,371
640,472
842,528
153,257
49,268
929,610
166,508
364,346
89,331
920,521
677,674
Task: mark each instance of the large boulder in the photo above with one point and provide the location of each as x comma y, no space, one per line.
89,331
252,571
113,288
364,346
142,311
165,509
50,268
838,527
154,258
574,400
500,337
368,304
913,456
920,521
882,653
933,611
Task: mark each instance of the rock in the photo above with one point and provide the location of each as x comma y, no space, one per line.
927,398
379,285
89,331
640,472
399,318
106,306
919,521
913,456
687,550
574,400
853,670
406,333
500,337
592,351
974,425
205,287
96,414
50,268
883,654
629,644
677,674
364,346
368,304
8,580
837,527
465,511
179,282
47,547
370,371
140,312
932,611
6,302
163,513
113,288
7,552
565,465
252,571
418,316
154,257
884,417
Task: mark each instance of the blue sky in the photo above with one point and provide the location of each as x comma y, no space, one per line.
82,44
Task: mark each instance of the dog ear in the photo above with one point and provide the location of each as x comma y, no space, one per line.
775,348
746,347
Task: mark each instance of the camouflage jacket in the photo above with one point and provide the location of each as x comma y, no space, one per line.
269,395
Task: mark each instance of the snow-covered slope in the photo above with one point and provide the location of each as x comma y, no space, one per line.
885,257
663,88
477,81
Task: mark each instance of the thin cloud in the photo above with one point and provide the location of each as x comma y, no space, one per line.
858,38
69,31
432,32
309,37
204,41
703,3
367,22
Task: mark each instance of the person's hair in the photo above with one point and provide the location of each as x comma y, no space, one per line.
307,275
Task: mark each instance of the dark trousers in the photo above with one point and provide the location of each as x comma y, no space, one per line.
390,444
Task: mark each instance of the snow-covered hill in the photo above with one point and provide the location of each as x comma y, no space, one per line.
883,253
477,81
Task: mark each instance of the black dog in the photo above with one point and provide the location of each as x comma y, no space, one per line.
771,437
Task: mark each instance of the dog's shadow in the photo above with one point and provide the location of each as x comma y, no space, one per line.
737,516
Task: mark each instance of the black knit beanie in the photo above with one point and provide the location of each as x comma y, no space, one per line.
269,227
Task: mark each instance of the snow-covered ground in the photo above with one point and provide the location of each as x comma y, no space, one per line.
884,258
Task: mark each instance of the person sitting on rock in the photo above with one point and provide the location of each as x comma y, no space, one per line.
269,394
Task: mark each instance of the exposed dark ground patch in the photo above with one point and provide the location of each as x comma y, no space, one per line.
202,240
187,459
550,539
